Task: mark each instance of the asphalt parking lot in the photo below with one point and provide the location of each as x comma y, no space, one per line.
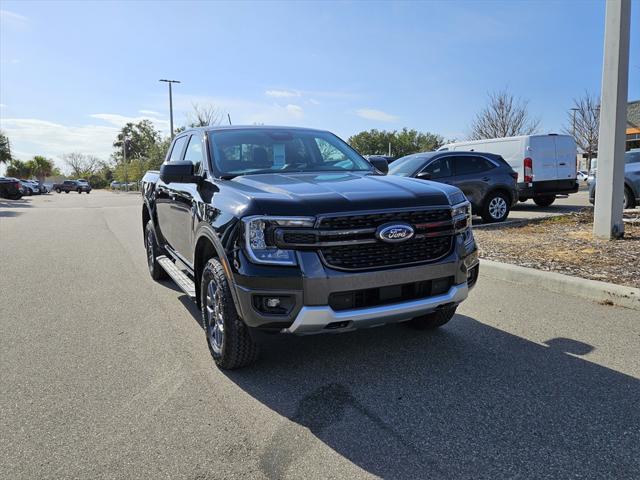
106,374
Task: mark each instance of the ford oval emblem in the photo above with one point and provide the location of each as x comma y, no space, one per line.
394,232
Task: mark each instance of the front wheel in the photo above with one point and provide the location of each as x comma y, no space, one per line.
153,252
545,200
228,337
495,208
433,320
58,190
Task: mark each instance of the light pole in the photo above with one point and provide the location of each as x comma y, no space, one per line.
170,102
125,145
607,218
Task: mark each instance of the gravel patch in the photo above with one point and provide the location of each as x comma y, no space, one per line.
566,245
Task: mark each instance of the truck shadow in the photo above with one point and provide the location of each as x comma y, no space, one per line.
468,401
11,208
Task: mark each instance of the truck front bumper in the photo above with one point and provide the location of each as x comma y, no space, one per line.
325,319
319,299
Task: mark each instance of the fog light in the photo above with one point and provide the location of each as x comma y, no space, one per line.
273,302
273,305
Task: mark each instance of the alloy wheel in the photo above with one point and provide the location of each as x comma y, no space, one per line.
497,207
215,318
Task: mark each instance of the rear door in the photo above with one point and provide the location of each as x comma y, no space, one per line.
542,151
566,155
472,176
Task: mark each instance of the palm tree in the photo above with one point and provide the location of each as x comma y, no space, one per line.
40,167
5,148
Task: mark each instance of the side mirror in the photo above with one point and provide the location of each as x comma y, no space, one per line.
178,172
424,175
380,164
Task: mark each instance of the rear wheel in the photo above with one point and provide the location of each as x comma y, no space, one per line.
66,191
58,190
432,320
545,200
495,208
153,252
229,339
629,201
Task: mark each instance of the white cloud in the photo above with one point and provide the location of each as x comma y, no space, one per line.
3,105
32,136
282,93
150,112
377,115
122,120
296,111
313,101
12,17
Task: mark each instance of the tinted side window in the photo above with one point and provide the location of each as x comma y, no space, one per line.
194,152
178,145
632,157
439,168
468,165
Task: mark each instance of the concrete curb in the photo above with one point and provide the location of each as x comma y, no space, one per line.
620,295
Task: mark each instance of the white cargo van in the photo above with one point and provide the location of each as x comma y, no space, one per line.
546,164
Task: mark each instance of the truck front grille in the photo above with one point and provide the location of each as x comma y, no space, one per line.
349,242
374,255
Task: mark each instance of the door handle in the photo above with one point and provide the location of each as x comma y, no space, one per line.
485,179
562,164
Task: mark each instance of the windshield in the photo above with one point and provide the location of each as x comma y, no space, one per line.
407,166
260,150
632,157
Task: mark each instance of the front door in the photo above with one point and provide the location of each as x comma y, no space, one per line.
165,198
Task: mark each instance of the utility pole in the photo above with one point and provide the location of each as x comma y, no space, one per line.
607,218
124,160
170,103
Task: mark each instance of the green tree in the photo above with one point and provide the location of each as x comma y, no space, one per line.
142,141
18,168
5,148
40,167
403,142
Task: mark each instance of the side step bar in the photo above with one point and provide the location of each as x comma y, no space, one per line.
177,275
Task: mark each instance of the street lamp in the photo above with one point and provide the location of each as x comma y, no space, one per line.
170,102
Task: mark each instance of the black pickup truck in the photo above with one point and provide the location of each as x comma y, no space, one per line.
72,186
290,230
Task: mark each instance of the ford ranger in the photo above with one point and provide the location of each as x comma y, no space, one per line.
290,230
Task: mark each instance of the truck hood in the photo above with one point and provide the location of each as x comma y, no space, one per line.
317,193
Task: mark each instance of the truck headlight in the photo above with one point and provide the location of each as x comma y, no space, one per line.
461,217
259,242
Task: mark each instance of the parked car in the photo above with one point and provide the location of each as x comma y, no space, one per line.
545,164
30,187
84,185
582,175
10,188
115,185
487,181
72,186
631,180
290,230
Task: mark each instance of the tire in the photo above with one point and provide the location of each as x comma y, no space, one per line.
153,252
228,337
79,191
629,201
28,193
66,191
432,320
545,200
495,208
58,190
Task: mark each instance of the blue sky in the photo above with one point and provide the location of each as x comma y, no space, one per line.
71,73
